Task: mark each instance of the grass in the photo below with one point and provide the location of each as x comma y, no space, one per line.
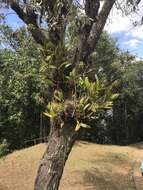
89,167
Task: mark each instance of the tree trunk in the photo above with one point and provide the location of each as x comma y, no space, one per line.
52,164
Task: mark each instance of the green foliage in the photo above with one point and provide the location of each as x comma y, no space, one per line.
79,125
88,98
22,91
127,110
3,148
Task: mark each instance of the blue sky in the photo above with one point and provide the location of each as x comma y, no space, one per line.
129,37
130,43
12,19
121,27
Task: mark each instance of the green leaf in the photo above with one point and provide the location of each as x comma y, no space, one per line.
79,125
50,115
62,124
58,96
47,114
115,96
49,58
97,83
87,83
85,125
73,73
86,106
49,106
65,64
81,101
108,105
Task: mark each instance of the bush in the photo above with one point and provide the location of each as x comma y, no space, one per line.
3,148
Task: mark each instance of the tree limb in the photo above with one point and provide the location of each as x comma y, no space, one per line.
58,20
30,18
99,25
97,29
92,8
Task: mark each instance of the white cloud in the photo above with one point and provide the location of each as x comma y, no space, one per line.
139,59
130,37
119,23
133,43
136,32
81,2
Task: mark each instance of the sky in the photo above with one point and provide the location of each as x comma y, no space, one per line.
120,27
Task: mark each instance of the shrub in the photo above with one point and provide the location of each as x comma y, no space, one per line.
3,148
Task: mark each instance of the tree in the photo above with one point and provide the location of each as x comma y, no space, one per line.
21,87
74,96
128,108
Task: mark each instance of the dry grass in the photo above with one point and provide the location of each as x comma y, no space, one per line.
89,167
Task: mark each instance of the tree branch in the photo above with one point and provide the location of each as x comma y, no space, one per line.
56,19
92,8
30,18
96,30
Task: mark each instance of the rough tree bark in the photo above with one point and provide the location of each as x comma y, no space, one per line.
52,164
61,140
96,29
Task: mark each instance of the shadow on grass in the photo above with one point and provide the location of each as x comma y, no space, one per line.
82,143
3,187
109,173
98,180
112,159
137,145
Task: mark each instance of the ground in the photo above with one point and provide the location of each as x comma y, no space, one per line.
89,167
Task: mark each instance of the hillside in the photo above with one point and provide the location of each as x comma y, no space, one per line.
89,167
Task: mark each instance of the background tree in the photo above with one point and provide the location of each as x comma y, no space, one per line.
22,88
128,108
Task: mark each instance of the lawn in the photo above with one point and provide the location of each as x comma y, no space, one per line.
89,167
